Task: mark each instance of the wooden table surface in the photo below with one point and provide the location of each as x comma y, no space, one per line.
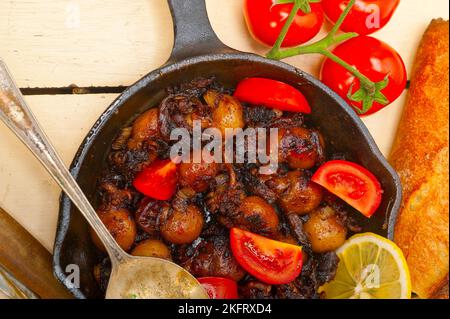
112,43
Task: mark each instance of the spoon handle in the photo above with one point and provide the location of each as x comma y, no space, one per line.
16,114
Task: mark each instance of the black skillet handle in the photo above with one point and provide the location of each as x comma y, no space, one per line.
194,35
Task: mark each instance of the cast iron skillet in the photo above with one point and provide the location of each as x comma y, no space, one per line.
198,52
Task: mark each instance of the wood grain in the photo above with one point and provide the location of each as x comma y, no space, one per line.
27,260
56,43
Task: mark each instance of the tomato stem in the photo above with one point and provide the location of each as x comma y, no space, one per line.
320,47
285,29
365,81
369,91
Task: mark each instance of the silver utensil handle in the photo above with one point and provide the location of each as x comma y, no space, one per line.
16,114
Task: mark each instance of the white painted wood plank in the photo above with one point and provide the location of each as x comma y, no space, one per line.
26,190
53,43
383,124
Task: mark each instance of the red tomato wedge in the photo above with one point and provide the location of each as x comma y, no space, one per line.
272,94
268,260
159,180
219,288
352,183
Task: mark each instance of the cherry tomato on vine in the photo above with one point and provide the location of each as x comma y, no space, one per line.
373,58
265,19
366,16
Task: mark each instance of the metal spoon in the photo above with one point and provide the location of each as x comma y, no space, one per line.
131,277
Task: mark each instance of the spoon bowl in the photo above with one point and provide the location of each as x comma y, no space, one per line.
168,281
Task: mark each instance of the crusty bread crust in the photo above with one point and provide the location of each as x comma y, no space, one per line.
421,157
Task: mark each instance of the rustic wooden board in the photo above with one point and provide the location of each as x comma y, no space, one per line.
55,43
115,43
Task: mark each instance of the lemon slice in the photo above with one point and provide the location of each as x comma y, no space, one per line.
370,267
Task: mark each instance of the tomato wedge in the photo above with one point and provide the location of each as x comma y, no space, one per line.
219,288
352,183
272,94
268,260
159,180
